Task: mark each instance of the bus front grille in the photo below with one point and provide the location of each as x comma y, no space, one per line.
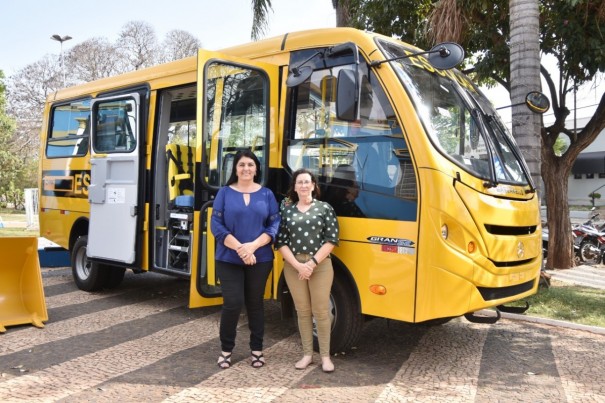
508,230
492,293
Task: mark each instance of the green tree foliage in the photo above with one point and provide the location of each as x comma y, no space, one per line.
8,158
571,31
403,19
28,89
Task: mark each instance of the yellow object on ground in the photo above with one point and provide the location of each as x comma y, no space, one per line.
21,291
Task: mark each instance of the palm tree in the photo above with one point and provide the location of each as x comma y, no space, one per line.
524,77
343,15
260,9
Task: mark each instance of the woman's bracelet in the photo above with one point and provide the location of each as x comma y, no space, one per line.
314,260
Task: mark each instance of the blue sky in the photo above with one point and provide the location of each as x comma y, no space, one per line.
28,24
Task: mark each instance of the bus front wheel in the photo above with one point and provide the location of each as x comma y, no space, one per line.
345,313
88,276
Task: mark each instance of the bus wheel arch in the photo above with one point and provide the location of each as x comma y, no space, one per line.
80,228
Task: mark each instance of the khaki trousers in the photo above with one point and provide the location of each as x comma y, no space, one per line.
312,300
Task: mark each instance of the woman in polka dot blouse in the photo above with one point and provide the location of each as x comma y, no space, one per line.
308,232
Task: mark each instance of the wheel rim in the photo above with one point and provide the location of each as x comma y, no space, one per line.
82,264
587,255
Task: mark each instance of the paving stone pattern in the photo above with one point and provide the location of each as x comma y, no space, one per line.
140,343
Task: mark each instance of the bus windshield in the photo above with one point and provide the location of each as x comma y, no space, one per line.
460,121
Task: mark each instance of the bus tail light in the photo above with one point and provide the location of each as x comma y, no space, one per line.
378,289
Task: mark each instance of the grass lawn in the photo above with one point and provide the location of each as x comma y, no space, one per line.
14,224
17,232
571,303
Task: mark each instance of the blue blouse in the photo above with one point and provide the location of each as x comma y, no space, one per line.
231,215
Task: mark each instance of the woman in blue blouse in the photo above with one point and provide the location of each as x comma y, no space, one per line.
307,234
245,221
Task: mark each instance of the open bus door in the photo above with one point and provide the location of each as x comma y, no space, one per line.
114,179
236,110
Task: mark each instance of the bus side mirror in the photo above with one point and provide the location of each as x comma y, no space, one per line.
537,102
347,96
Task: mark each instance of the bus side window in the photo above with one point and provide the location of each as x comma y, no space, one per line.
114,126
237,118
105,139
70,131
370,147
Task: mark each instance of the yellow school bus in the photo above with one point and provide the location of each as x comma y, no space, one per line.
439,216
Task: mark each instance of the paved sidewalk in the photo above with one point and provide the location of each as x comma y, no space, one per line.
587,276
140,343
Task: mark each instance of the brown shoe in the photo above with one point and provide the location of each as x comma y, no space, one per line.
326,365
304,362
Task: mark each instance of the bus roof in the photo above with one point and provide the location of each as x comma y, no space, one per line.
186,68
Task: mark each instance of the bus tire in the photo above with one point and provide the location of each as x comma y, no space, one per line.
88,276
347,320
114,277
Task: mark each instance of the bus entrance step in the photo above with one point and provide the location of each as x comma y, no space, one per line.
514,309
472,317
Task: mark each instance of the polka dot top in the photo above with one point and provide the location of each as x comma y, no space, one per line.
307,232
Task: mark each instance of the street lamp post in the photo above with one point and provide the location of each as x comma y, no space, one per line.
61,39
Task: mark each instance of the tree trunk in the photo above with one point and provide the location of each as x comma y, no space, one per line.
343,16
560,242
525,77
555,172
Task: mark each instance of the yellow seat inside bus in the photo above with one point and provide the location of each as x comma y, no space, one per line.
180,170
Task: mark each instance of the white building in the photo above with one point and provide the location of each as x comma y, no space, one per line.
588,172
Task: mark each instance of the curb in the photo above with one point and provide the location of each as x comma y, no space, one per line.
545,321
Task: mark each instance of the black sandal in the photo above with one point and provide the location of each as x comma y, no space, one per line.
224,360
258,360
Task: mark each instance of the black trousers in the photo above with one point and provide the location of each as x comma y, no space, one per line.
243,285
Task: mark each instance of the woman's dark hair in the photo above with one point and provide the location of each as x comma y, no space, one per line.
292,195
240,154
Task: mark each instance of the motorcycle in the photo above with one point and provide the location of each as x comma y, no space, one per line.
576,246
590,241
592,244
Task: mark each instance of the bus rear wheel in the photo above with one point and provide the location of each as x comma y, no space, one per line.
345,313
88,276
